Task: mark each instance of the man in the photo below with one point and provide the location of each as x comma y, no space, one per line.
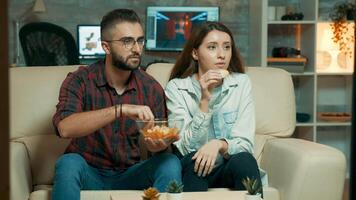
97,108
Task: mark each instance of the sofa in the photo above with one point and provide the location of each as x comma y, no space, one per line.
297,169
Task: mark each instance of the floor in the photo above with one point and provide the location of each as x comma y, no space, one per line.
345,196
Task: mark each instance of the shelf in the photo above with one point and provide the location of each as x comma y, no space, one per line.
322,79
333,123
293,22
286,60
335,73
304,124
303,74
297,36
304,95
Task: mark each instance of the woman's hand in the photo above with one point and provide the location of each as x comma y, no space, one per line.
205,157
209,81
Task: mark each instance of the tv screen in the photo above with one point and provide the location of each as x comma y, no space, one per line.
168,28
89,42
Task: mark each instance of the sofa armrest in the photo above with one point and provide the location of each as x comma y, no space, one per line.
301,169
20,173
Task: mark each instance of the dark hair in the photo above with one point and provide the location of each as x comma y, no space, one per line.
114,17
186,66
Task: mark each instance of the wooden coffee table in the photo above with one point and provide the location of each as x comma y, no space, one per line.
137,195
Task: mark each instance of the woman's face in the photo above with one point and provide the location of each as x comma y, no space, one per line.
214,51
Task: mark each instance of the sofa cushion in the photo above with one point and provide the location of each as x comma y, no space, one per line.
20,173
41,195
260,141
273,93
33,97
43,151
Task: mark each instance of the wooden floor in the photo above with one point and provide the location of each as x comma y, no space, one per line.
345,196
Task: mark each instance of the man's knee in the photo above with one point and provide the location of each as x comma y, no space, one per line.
170,163
169,159
70,163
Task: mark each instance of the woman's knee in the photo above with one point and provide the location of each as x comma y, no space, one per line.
243,161
187,160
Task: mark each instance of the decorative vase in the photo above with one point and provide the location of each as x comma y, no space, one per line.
174,196
252,197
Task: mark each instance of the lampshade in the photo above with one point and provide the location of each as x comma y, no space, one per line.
39,6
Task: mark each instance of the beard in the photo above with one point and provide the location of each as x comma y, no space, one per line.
120,63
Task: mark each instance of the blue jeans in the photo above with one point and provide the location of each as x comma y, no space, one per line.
72,174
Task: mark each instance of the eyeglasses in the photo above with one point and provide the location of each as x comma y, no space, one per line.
129,42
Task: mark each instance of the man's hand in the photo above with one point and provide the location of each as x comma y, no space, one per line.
141,112
205,157
156,145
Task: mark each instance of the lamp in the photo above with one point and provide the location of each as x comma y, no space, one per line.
37,7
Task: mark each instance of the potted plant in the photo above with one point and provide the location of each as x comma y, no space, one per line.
150,194
174,190
253,189
340,14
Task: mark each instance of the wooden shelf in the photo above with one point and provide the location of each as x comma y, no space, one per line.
286,60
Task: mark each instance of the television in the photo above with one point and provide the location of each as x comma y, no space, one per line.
89,42
168,28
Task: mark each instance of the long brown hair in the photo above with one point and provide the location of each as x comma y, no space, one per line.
186,66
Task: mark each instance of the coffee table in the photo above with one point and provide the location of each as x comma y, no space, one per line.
137,195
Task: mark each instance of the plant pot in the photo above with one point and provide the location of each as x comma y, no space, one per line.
174,196
252,197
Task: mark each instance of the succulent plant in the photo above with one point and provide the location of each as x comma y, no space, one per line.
174,187
252,186
150,194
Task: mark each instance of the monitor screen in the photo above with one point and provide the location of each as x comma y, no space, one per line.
168,28
89,44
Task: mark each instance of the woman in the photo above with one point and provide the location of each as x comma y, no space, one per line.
217,138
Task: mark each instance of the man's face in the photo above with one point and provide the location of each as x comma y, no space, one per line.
126,45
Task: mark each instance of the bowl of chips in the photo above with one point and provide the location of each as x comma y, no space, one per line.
160,128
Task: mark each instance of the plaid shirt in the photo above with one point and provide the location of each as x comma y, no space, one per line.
114,146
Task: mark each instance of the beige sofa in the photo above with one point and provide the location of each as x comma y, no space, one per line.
297,169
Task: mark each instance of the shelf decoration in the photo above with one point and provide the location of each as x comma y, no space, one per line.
340,14
330,58
334,116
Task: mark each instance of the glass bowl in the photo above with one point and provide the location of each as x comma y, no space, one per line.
160,128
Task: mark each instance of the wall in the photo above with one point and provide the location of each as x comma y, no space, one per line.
69,13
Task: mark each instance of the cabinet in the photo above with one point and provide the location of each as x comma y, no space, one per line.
325,82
